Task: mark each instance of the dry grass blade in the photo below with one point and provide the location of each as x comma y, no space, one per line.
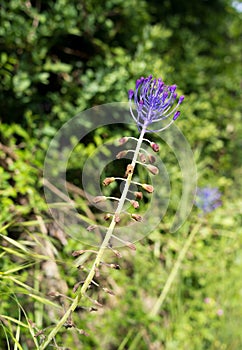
18,282
31,291
6,334
2,229
45,301
17,244
17,337
14,252
22,252
31,330
14,320
17,268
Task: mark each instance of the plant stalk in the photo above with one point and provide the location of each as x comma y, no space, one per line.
100,253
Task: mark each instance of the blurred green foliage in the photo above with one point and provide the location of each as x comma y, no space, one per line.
59,58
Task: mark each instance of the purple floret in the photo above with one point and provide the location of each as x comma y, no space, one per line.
154,102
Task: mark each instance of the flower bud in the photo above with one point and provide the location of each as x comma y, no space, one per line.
142,157
99,199
108,291
81,331
91,228
78,252
152,159
123,140
135,204
108,181
107,216
76,286
129,170
121,154
118,255
136,217
138,195
37,334
148,188
117,218
181,99
114,266
92,309
155,147
130,94
176,115
172,88
116,252
54,294
152,169
130,245
97,303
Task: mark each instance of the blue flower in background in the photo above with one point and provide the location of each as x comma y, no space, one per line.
154,102
208,199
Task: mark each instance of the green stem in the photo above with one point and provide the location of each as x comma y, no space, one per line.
135,342
100,253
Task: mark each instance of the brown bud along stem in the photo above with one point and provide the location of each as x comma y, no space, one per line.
107,216
152,159
121,154
99,199
123,140
155,147
148,188
142,157
117,218
108,181
152,169
138,195
136,217
129,170
135,204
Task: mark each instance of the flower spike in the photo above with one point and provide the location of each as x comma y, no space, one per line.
208,199
154,101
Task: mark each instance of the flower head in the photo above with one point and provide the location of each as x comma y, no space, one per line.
154,102
208,199
220,312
